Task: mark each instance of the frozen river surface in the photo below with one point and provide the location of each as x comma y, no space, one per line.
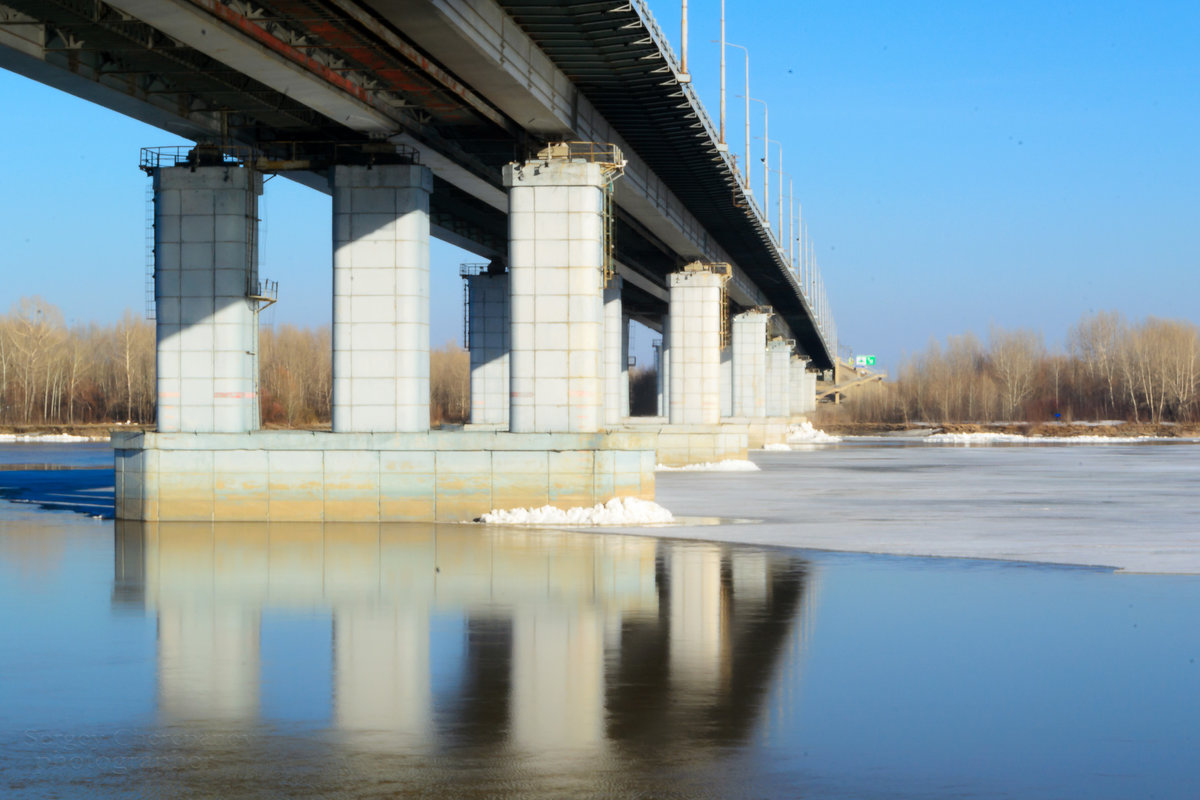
1134,507
420,660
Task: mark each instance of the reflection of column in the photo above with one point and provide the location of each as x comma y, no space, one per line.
208,584
381,672
557,677
696,624
208,661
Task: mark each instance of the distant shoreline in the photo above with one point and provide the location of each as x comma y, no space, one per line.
1044,430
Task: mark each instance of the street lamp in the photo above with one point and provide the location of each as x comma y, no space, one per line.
766,156
746,177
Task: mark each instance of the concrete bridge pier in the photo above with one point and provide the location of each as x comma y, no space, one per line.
691,373
749,387
381,298
804,395
779,357
381,462
205,274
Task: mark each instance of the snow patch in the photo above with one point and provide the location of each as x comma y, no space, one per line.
805,433
618,511
776,446
728,465
49,437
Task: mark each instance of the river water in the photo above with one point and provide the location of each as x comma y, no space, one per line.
469,661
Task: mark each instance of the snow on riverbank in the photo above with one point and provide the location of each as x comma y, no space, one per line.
618,511
773,446
1014,438
805,433
48,437
728,465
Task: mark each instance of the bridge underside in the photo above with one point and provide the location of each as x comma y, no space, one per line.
308,77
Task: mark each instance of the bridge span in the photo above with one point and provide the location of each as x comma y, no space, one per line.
557,140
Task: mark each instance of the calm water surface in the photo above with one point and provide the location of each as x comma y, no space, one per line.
462,661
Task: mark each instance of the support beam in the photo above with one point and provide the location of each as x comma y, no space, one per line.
381,298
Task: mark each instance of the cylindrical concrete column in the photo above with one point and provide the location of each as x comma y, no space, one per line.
205,268
488,337
696,352
556,308
779,357
750,364
381,297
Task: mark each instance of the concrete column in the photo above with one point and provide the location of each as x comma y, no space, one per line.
810,391
779,357
624,365
664,369
696,355
556,262
488,330
614,355
381,298
205,266
727,382
750,364
797,384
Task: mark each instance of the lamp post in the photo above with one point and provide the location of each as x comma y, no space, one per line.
746,177
684,77
766,157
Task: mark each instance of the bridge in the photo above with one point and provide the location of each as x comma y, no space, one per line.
559,141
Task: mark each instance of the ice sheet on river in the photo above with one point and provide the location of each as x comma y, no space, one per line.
1129,506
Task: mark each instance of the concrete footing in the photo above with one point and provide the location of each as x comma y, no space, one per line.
325,477
761,431
680,445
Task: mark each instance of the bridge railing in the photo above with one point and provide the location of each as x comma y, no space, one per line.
815,300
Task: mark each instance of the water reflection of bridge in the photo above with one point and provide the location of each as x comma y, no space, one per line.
599,645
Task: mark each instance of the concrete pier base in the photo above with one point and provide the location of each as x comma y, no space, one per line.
680,445
326,477
761,431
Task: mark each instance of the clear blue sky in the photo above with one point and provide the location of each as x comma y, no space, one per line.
1018,163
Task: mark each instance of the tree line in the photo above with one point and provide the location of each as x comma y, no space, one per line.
52,373
1110,369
